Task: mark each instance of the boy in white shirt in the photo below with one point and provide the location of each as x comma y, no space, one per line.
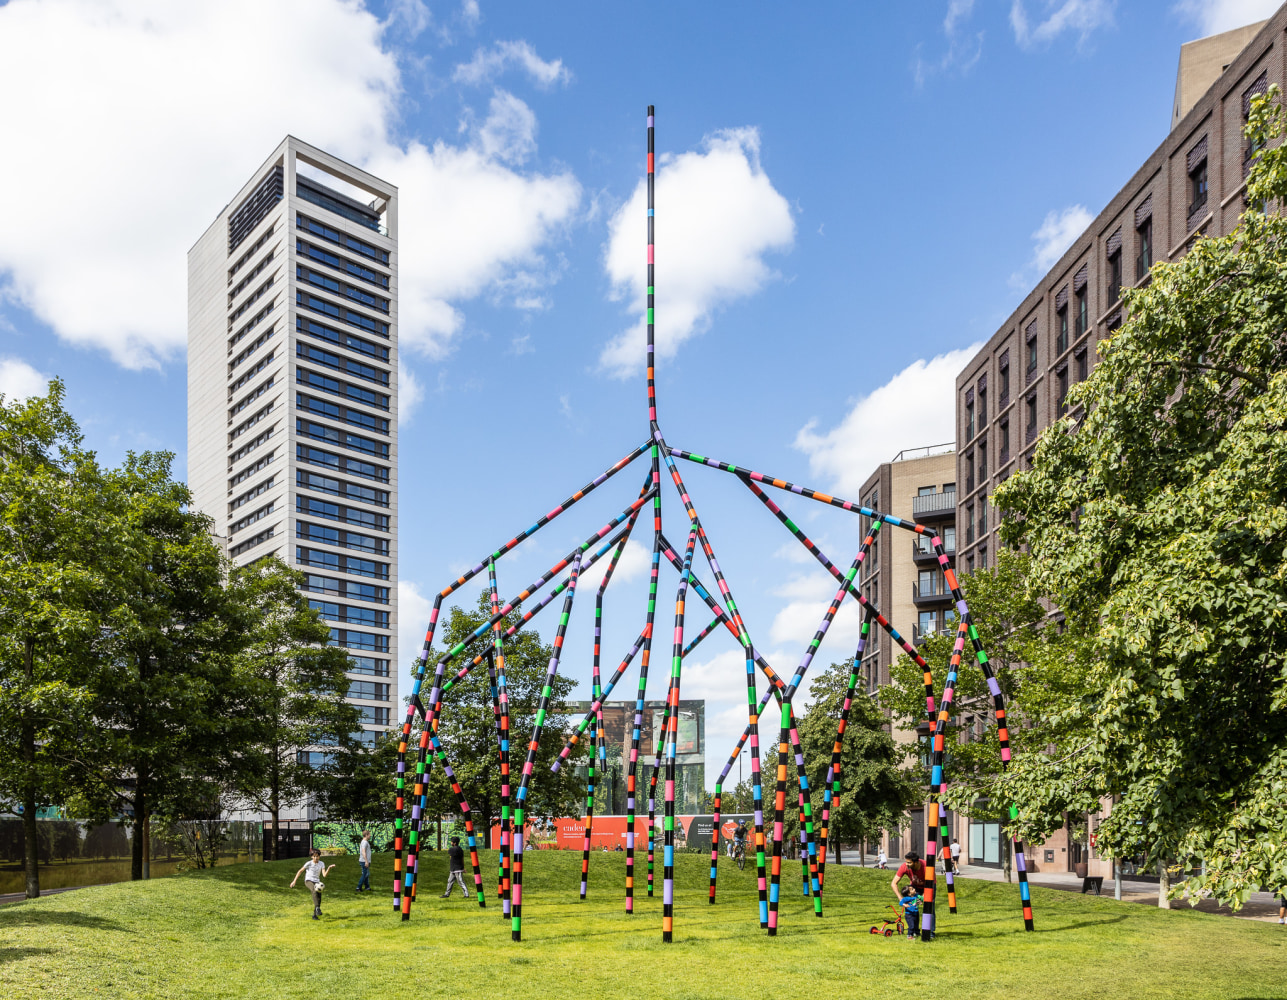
314,871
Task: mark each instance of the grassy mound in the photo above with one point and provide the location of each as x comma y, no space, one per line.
240,931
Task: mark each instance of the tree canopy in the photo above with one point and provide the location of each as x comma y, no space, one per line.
1156,517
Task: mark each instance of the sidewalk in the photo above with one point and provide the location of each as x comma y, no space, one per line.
1261,906
17,897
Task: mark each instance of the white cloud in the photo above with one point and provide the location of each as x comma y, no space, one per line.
1215,16
808,597
1057,232
916,407
119,174
964,49
635,562
411,393
1080,16
509,133
488,64
467,224
18,380
718,214
413,618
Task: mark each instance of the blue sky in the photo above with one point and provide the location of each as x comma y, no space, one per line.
849,196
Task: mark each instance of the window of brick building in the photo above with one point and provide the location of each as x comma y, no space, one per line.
1082,367
1031,429
1115,277
1061,325
983,405
1061,389
983,557
1003,399
983,460
1197,167
969,523
1144,240
969,419
1083,310
1032,356
969,472
1003,448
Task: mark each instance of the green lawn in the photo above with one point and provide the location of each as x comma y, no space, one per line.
240,932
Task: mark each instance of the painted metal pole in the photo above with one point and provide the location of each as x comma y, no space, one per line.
831,787
719,789
632,764
597,690
435,698
502,722
520,805
402,843
672,743
466,816
748,647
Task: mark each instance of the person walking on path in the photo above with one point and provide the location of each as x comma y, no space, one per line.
364,859
956,855
314,871
456,866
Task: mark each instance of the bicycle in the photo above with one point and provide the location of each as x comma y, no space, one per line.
739,855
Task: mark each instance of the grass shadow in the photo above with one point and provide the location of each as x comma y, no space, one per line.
31,917
18,954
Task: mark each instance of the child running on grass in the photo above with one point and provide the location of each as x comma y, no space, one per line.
314,871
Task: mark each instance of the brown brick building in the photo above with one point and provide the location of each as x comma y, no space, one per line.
1015,387
1193,184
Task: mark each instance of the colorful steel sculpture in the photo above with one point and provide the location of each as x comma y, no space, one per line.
410,808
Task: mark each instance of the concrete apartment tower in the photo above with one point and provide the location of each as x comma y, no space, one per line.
293,395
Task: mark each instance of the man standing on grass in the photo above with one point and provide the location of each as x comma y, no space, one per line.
456,864
364,859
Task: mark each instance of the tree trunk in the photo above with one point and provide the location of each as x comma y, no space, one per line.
30,833
838,861
440,831
274,811
1163,886
147,845
136,841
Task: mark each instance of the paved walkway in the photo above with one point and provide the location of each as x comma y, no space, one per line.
16,897
1261,906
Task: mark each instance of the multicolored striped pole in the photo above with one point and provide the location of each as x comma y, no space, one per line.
598,694
748,647
466,816
719,789
400,843
672,743
502,714
435,698
543,706
632,764
939,743
831,787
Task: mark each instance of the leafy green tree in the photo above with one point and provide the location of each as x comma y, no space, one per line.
51,605
360,783
299,722
468,728
876,787
1155,518
168,700
1040,667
